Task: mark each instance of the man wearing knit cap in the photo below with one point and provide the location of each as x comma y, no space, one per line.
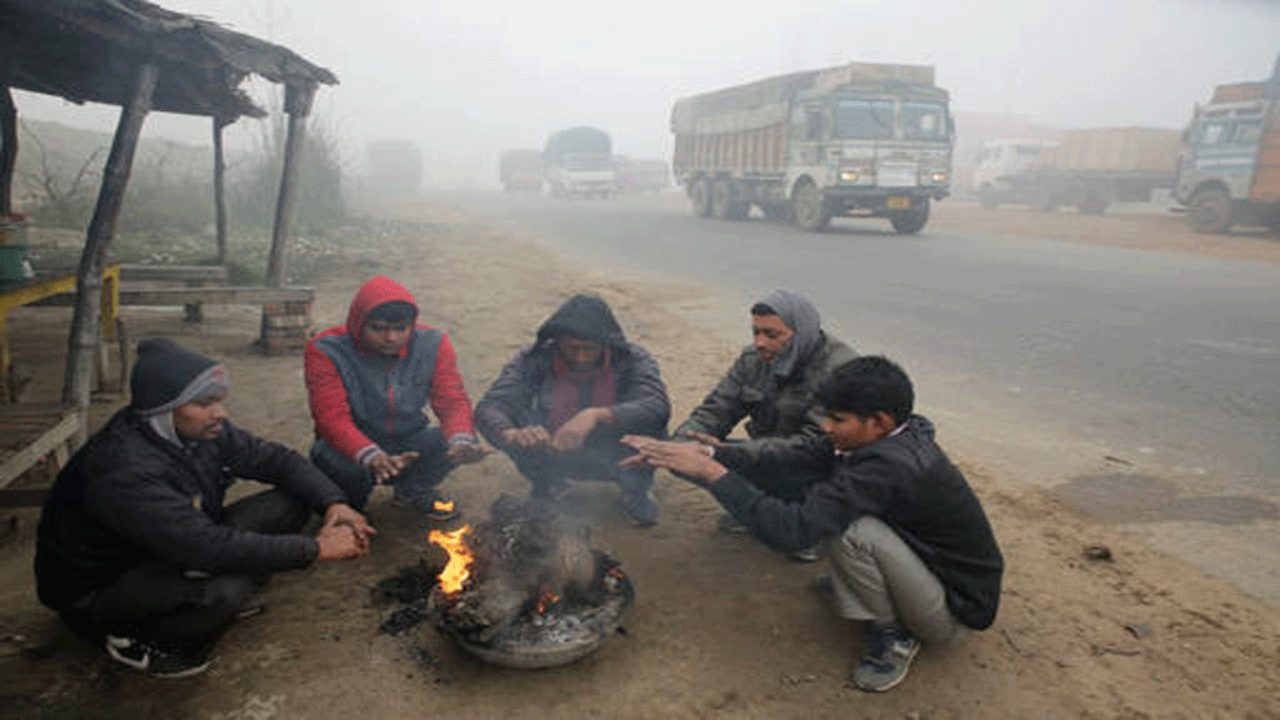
771,385
135,547
368,382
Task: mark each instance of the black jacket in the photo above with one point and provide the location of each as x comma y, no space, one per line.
129,496
519,397
905,480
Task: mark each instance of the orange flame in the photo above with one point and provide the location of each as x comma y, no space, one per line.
548,599
442,505
458,569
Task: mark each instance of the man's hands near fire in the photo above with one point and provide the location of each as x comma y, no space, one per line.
345,515
386,467
340,542
568,438
527,438
686,459
465,452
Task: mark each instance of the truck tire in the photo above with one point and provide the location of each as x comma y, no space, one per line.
810,210
910,222
700,197
726,201
1209,211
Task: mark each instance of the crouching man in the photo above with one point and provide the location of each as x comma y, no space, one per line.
135,547
911,550
562,404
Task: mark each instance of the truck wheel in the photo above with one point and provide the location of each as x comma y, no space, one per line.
700,197
910,222
1209,211
726,202
810,211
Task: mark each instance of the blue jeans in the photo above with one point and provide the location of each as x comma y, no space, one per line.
413,483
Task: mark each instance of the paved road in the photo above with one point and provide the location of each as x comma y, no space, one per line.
1145,385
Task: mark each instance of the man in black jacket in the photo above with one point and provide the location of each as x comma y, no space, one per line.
911,549
561,405
135,546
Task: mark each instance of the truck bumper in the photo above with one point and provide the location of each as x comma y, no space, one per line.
879,201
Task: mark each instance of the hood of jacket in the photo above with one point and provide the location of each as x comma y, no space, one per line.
802,317
378,291
586,317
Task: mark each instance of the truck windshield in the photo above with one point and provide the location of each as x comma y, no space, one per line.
864,119
923,121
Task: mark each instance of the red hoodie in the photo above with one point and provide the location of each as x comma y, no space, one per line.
331,407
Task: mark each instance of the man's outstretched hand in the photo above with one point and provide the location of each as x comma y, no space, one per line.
685,459
466,452
386,467
342,514
570,436
338,542
527,438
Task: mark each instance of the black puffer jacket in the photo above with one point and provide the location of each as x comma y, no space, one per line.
129,496
518,398
906,480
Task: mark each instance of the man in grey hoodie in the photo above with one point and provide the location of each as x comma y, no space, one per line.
771,385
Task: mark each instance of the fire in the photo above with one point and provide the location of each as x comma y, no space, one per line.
546,601
444,506
458,569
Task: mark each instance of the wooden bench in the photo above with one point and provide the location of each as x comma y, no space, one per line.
192,276
28,433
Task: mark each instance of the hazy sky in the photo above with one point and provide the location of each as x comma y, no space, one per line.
467,79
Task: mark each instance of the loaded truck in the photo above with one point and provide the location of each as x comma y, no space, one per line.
579,163
520,170
1230,169
1090,169
863,139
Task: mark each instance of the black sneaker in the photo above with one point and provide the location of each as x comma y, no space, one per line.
434,506
886,659
155,662
729,524
805,555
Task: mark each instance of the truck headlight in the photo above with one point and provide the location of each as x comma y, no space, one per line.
850,176
938,177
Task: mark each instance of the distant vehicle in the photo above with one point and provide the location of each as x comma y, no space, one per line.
1001,163
1230,169
1090,169
862,139
578,163
520,171
395,166
640,176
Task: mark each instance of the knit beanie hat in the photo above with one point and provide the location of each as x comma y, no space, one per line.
167,375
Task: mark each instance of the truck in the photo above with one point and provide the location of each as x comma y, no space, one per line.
1229,173
1090,168
520,170
862,139
634,176
579,163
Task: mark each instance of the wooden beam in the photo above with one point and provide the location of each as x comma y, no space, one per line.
219,189
297,103
8,149
84,338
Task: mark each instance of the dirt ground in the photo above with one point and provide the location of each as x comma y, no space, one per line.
722,627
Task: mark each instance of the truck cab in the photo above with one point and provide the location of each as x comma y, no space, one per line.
882,153
1000,164
1219,171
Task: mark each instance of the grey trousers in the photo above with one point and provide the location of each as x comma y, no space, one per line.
878,578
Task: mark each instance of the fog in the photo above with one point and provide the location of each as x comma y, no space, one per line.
467,79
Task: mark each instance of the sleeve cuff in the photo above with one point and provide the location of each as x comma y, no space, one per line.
463,439
366,453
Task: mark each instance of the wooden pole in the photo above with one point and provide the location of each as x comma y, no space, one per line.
219,189
8,149
297,103
85,331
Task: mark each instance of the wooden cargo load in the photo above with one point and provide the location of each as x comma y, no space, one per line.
743,128
1266,176
1115,150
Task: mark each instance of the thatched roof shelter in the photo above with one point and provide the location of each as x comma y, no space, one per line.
142,57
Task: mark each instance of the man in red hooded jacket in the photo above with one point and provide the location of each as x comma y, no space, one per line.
368,382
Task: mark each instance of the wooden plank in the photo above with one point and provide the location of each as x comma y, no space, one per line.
8,149
235,295
17,463
174,273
